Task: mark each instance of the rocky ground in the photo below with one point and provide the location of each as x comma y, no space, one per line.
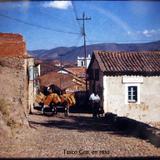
78,135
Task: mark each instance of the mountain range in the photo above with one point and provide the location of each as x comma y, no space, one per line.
71,53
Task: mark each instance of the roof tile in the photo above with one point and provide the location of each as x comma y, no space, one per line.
146,62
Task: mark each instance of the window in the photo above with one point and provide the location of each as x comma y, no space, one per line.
82,63
132,93
31,73
132,88
35,72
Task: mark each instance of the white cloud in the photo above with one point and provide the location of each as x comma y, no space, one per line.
58,4
146,33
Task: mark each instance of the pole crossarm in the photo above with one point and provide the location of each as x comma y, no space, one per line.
87,18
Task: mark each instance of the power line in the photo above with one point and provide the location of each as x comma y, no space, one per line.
93,41
36,25
55,17
70,51
76,15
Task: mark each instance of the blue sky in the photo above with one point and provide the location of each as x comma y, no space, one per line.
50,24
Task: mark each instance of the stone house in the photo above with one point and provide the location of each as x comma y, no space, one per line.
127,82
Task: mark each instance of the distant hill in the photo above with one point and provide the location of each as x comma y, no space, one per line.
71,53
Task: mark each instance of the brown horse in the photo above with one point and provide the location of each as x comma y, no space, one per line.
54,100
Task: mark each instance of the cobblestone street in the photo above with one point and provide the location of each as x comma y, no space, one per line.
75,136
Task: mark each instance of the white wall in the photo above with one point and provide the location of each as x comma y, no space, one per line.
81,61
30,85
114,98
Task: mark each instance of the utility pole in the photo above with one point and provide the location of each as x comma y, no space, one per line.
61,70
84,18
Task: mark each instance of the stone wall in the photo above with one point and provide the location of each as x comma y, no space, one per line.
13,76
13,85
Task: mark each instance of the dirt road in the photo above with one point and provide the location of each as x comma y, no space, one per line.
75,136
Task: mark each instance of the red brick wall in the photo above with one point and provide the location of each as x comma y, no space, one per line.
12,45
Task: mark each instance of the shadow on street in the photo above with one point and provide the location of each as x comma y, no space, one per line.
111,124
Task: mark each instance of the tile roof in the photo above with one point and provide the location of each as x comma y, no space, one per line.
77,71
61,80
132,63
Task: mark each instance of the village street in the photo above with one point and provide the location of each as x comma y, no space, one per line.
78,135
73,59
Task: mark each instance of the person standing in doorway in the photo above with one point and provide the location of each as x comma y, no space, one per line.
95,100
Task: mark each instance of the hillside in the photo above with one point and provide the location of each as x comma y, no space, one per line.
71,53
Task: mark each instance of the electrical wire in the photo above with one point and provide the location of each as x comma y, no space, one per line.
54,17
36,25
94,41
76,16
70,51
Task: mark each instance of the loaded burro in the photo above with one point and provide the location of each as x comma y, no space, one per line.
50,99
